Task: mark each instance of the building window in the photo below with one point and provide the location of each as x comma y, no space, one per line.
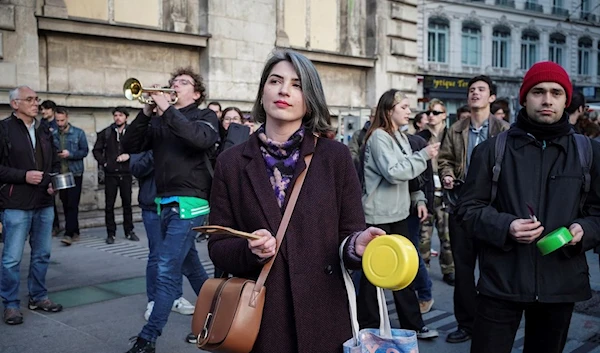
585,7
558,8
584,54
529,48
598,61
501,47
437,50
471,44
557,49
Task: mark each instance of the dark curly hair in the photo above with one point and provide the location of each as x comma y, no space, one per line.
198,84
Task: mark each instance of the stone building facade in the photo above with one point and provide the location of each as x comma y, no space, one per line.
79,53
458,40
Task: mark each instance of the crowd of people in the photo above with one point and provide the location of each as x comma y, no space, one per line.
491,190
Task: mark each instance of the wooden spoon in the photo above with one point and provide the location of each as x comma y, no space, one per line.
226,231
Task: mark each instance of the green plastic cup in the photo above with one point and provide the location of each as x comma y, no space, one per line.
554,241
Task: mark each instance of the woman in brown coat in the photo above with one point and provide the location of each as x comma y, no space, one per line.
306,308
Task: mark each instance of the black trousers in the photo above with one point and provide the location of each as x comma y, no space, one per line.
122,184
497,322
70,200
464,253
407,304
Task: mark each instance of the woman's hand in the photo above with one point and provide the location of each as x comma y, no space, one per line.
365,238
433,150
265,246
422,213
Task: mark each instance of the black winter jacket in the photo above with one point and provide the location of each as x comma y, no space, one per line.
180,140
549,177
106,150
142,167
17,156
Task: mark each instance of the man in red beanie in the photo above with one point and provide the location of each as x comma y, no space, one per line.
541,188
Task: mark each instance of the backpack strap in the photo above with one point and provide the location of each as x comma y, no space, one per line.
584,150
499,156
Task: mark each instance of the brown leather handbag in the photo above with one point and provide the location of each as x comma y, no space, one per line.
229,310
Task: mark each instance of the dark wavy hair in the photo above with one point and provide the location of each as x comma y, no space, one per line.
198,84
317,119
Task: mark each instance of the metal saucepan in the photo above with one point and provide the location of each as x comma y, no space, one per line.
63,181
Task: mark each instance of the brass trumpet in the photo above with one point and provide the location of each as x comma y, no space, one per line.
132,88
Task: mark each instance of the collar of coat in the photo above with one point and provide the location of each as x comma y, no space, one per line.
523,139
252,148
494,124
256,172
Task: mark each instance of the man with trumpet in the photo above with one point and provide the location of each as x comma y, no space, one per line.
180,136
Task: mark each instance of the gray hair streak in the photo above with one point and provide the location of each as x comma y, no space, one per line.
317,118
13,94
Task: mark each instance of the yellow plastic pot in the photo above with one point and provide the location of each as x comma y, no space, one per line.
390,262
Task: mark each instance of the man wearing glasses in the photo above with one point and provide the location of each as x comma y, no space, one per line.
181,136
27,157
436,129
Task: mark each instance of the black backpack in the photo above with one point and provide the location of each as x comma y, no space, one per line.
584,150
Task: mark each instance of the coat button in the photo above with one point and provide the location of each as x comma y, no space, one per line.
328,270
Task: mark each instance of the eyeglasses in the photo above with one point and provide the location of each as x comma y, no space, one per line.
181,81
30,99
232,119
435,112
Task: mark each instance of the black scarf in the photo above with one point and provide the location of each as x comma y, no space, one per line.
543,132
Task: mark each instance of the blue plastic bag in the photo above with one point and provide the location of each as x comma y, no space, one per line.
382,340
370,341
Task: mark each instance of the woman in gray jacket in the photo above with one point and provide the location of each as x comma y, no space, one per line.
389,164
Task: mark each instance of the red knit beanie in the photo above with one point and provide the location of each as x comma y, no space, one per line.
546,71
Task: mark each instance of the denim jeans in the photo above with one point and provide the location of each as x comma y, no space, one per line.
155,238
176,255
422,283
17,225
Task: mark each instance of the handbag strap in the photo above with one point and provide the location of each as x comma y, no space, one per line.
385,329
285,221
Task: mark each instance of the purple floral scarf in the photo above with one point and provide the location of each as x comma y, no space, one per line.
280,159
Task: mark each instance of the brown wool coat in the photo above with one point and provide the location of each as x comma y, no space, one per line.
306,307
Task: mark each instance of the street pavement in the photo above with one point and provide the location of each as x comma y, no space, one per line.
103,291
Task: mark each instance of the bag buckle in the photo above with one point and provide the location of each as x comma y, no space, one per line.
204,333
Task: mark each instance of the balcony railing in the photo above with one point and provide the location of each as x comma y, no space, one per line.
506,3
587,16
531,6
559,11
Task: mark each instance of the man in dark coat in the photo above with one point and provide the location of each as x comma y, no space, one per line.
27,158
110,154
540,170
453,164
180,137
